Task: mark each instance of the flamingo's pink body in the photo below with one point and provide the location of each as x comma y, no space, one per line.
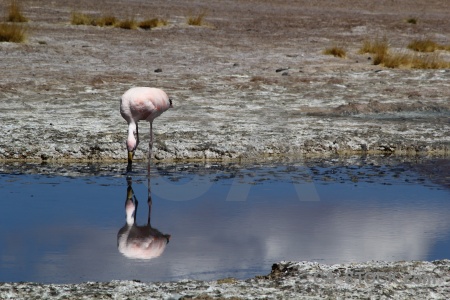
142,103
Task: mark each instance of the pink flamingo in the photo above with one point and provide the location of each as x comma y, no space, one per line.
142,103
134,241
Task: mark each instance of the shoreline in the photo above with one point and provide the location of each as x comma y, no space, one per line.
287,280
249,160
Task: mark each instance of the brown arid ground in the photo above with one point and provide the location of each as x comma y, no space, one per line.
60,90
250,83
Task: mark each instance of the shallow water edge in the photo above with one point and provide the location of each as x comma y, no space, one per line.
434,167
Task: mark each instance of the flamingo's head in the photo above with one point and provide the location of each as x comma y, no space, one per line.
131,143
130,208
131,147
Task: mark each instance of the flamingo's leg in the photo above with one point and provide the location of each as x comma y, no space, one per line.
149,205
151,135
150,146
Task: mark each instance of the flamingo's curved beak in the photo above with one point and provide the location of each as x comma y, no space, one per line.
129,193
130,156
130,161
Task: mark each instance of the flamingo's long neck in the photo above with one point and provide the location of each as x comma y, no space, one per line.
131,140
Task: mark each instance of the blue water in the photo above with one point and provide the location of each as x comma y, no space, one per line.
221,221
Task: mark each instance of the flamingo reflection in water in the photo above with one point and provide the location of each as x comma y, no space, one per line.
139,242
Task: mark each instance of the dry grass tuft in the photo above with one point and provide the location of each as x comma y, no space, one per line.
109,20
427,45
127,24
152,23
12,33
383,56
380,57
377,46
424,45
335,51
78,18
106,20
198,20
15,13
395,60
415,61
433,61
